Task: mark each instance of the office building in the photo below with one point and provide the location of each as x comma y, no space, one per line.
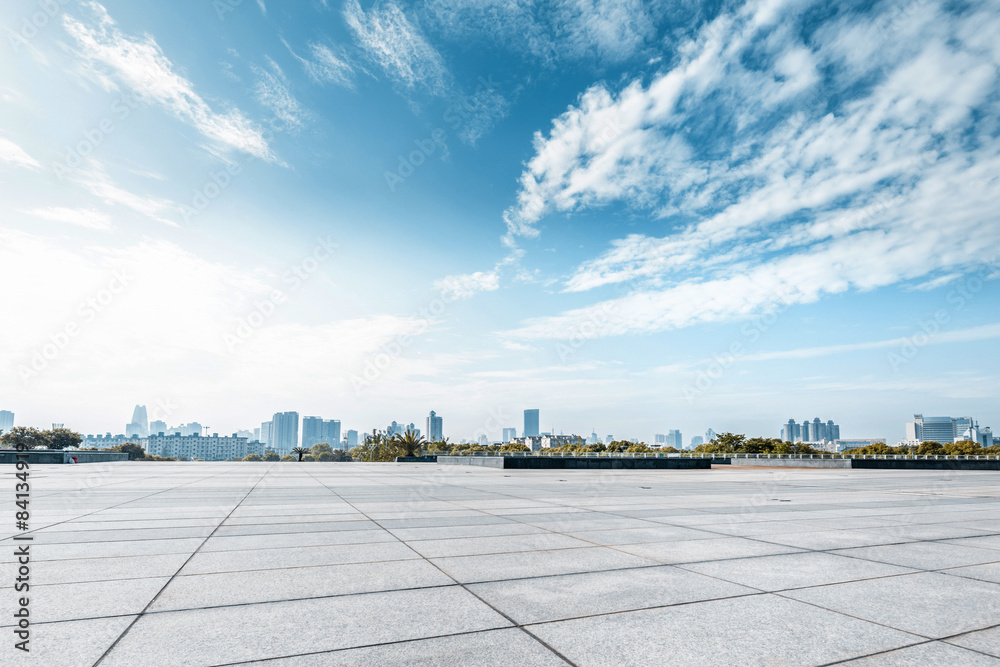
675,439
352,439
509,434
710,435
139,426
106,441
284,432
948,429
435,427
6,420
594,439
156,427
659,440
530,423
394,429
815,431
265,433
205,448
854,443
696,440
316,430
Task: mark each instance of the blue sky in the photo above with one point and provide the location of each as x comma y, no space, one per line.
633,216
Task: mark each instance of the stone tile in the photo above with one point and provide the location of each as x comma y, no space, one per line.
986,641
254,632
574,595
67,644
69,602
775,573
468,569
106,569
230,588
498,648
642,535
930,654
989,572
781,632
694,551
927,603
446,532
294,540
470,546
259,559
66,551
924,555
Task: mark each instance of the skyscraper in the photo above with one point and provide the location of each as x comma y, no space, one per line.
352,439
947,429
139,426
530,423
696,440
284,432
509,434
6,420
435,427
709,435
265,432
675,439
316,430
157,427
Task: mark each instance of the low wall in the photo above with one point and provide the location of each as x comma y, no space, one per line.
484,461
416,459
925,464
40,456
792,463
577,463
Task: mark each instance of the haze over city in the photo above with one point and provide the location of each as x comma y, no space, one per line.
653,217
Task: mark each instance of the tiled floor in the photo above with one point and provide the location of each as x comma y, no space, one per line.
417,564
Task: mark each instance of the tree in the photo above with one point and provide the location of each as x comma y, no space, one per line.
288,457
963,448
271,456
252,457
930,448
24,437
308,457
514,447
62,438
324,456
339,455
300,452
320,448
134,451
408,443
638,448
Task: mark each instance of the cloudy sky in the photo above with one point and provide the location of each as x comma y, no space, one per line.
634,216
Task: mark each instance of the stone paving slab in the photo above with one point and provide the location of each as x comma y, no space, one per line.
409,564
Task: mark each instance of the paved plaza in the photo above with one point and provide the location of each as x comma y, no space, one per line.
423,564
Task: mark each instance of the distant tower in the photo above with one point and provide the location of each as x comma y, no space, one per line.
6,420
435,427
139,426
531,423
709,435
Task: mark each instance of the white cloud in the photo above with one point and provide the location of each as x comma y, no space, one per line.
141,65
327,65
271,90
99,183
82,217
398,46
13,154
464,286
795,197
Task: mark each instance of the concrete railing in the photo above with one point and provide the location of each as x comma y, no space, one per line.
718,455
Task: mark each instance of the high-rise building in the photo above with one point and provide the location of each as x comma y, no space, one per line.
284,432
810,431
412,428
530,423
394,429
484,441
948,429
675,439
265,432
659,440
710,435
256,435
435,427
696,440
156,427
594,439
139,426
352,439
316,430
6,420
509,434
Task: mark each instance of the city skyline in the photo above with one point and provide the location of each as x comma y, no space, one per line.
653,218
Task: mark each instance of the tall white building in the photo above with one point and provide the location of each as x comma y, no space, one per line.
284,432
435,427
6,420
316,430
710,435
156,427
352,439
139,426
509,434
675,439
